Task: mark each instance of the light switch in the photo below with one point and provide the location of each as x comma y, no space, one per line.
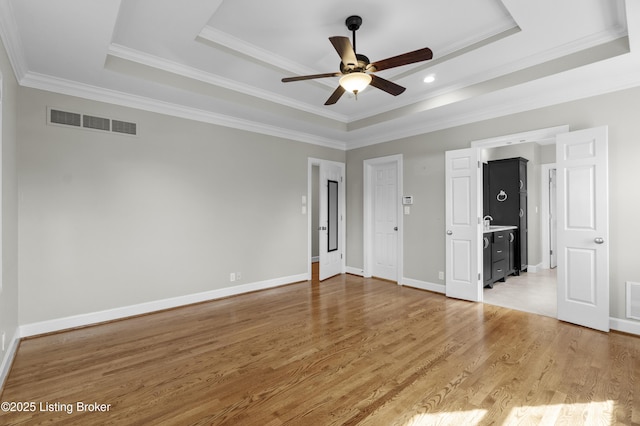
304,209
304,199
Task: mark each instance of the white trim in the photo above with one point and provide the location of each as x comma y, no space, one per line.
343,210
354,271
625,326
254,52
10,35
535,268
148,307
367,208
545,213
9,355
540,135
423,285
95,93
139,57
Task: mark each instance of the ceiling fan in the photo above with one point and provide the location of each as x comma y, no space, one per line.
356,71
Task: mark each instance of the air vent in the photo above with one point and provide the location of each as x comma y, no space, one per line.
97,123
63,117
124,127
102,124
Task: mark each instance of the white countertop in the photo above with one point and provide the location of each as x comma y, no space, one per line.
496,228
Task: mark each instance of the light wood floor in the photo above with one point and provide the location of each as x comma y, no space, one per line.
348,351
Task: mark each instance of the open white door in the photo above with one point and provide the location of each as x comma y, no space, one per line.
583,228
331,219
462,216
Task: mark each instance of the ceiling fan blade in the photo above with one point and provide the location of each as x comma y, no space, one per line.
386,85
345,50
404,59
309,77
335,96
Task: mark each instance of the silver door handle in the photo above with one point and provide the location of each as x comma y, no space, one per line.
599,240
449,232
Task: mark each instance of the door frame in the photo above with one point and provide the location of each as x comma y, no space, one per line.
367,207
545,212
547,135
307,208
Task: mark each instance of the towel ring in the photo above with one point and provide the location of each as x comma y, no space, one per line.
502,196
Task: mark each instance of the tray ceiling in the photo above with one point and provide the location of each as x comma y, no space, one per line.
222,61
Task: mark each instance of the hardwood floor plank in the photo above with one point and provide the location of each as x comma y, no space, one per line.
347,351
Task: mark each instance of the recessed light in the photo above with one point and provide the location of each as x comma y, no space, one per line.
430,78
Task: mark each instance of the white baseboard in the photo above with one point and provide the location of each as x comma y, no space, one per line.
7,360
423,285
535,268
147,307
625,326
354,271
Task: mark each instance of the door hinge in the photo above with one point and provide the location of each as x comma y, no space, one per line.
340,178
478,276
340,255
478,164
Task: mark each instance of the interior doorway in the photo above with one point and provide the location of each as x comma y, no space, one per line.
583,221
324,205
383,218
535,290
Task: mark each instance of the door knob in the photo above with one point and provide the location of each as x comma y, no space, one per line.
599,240
449,232
395,228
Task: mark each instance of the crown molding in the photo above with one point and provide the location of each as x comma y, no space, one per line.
529,96
95,93
11,40
146,59
589,42
253,52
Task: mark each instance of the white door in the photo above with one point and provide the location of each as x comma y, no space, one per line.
553,219
462,217
583,237
385,221
331,229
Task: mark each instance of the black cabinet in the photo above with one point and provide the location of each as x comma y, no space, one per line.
499,250
506,186
512,268
498,255
487,264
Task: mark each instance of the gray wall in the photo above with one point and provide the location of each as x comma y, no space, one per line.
9,292
424,231
108,220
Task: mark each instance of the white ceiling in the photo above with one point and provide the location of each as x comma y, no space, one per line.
221,61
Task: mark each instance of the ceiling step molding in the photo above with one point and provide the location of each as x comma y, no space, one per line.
72,88
149,60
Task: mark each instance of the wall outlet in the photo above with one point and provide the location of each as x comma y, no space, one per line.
232,276
441,275
238,276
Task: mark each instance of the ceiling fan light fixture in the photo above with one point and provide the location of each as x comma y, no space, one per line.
355,82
